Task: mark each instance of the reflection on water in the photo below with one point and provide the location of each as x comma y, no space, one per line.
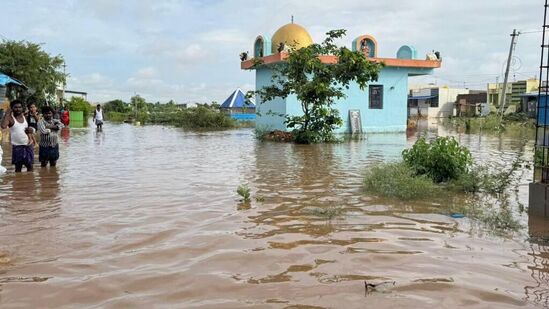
148,216
538,292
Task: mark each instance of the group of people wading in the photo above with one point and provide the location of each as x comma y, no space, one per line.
23,127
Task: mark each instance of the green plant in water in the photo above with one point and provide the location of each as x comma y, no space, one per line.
244,192
538,157
497,183
501,219
470,182
442,159
494,214
481,179
398,180
326,212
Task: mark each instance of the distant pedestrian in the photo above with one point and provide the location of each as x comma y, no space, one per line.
98,117
65,116
22,152
49,141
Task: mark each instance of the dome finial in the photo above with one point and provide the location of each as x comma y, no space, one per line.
292,19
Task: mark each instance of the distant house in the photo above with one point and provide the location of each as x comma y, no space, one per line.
379,107
472,104
513,91
433,101
238,106
528,104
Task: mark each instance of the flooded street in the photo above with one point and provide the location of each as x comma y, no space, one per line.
149,217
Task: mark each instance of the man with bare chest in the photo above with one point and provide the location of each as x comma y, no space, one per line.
22,148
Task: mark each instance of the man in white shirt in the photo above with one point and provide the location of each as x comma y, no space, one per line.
98,117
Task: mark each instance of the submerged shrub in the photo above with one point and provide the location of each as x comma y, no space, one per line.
398,180
472,181
325,212
483,179
205,117
244,192
443,159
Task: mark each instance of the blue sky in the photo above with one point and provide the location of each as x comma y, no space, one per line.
188,50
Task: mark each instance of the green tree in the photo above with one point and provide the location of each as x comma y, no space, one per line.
317,85
30,64
118,106
79,104
138,102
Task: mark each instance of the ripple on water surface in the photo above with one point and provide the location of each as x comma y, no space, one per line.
149,216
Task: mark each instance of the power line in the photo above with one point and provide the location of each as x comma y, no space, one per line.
532,31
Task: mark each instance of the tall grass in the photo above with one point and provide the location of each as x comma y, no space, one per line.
399,181
494,123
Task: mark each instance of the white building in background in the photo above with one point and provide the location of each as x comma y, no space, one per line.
433,101
68,94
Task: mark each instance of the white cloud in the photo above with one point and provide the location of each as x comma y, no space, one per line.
188,49
146,73
191,54
90,80
226,36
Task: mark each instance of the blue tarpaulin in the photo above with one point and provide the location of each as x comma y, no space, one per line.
243,116
4,80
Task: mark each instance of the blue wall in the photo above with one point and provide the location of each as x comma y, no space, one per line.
392,118
265,120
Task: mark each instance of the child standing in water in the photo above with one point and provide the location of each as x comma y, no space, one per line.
32,121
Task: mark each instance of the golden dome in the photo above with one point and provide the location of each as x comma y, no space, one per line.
291,35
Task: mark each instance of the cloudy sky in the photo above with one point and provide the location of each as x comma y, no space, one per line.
187,50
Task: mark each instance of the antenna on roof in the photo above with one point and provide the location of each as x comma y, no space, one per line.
292,19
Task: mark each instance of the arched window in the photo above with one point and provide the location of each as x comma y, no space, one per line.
366,44
259,47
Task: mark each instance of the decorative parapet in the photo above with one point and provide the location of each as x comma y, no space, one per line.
389,62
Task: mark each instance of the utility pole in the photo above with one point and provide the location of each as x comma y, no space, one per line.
64,83
502,99
497,92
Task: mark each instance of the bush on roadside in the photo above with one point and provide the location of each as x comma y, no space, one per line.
442,159
201,117
204,117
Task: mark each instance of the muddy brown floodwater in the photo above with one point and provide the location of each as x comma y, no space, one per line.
149,217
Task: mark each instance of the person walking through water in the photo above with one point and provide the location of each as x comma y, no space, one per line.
48,127
98,117
22,151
